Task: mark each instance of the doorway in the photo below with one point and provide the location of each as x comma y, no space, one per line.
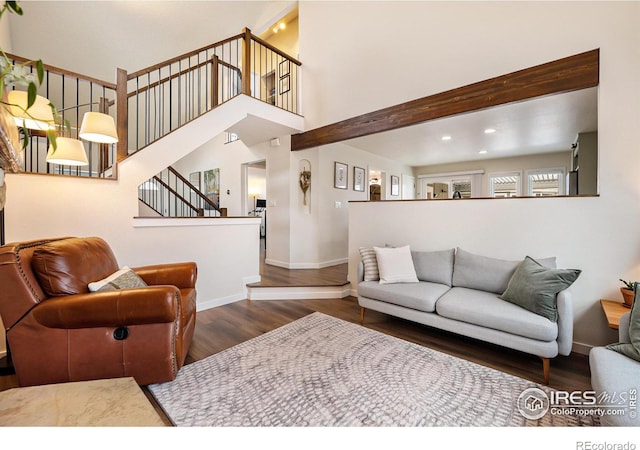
254,195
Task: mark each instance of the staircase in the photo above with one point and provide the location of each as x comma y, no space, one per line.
170,194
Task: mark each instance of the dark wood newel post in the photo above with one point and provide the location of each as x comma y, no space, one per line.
122,110
246,62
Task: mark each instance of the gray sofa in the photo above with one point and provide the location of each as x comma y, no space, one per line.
614,374
458,292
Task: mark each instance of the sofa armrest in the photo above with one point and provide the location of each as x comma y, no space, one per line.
565,322
360,271
153,304
180,275
623,328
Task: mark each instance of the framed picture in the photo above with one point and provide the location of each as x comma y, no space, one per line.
211,179
285,68
285,84
358,179
340,176
395,185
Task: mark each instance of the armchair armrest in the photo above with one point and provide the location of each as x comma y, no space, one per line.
180,275
623,328
153,304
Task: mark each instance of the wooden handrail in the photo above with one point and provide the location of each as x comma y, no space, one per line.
60,71
170,189
275,50
179,74
195,189
184,56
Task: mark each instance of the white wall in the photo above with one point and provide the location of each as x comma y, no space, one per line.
229,159
129,34
598,235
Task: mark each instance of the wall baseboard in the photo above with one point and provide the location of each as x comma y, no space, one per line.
299,293
212,303
582,349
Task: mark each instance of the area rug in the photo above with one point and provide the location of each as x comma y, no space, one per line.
324,371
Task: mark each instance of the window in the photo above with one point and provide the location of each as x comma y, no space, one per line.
503,185
545,182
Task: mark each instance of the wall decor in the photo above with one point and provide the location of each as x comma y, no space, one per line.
395,185
285,68
305,179
211,180
340,175
358,179
285,84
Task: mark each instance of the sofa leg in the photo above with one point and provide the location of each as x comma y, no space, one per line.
546,369
362,315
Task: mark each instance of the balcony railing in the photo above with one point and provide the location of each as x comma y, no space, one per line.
73,95
163,97
150,103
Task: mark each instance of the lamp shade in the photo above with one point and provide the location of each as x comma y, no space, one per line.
38,117
68,152
98,127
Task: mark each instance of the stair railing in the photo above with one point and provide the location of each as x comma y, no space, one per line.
172,195
73,95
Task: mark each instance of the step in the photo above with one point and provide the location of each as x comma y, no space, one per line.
255,291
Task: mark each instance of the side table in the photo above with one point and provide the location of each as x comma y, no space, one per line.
99,403
613,310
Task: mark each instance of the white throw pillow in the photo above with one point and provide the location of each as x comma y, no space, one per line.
124,278
395,265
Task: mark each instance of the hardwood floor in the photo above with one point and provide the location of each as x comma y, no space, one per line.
225,326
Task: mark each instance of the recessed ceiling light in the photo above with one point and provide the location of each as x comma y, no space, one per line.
282,25
483,152
446,138
489,130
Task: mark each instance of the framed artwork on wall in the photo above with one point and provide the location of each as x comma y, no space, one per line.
285,84
285,68
358,179
211,181
395,185
340,175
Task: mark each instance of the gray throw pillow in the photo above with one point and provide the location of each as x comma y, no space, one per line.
632,350
124,278
436,267
534,287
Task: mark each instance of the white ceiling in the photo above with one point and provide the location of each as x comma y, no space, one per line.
545,124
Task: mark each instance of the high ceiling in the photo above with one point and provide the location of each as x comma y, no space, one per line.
546,124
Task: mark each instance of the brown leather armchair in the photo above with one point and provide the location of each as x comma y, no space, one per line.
58,331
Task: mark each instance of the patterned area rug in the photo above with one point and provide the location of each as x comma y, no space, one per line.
323,371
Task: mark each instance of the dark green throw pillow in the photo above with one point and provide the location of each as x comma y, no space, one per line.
534,287
631,350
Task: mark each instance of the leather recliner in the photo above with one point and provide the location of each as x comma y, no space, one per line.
59,331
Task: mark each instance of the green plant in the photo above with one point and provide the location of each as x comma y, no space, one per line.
629,284
22,76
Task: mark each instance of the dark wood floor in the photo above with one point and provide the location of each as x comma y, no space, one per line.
225,326
273,276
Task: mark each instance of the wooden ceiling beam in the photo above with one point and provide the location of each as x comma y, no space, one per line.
563,75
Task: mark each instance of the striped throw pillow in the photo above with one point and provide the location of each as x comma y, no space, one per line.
370,262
